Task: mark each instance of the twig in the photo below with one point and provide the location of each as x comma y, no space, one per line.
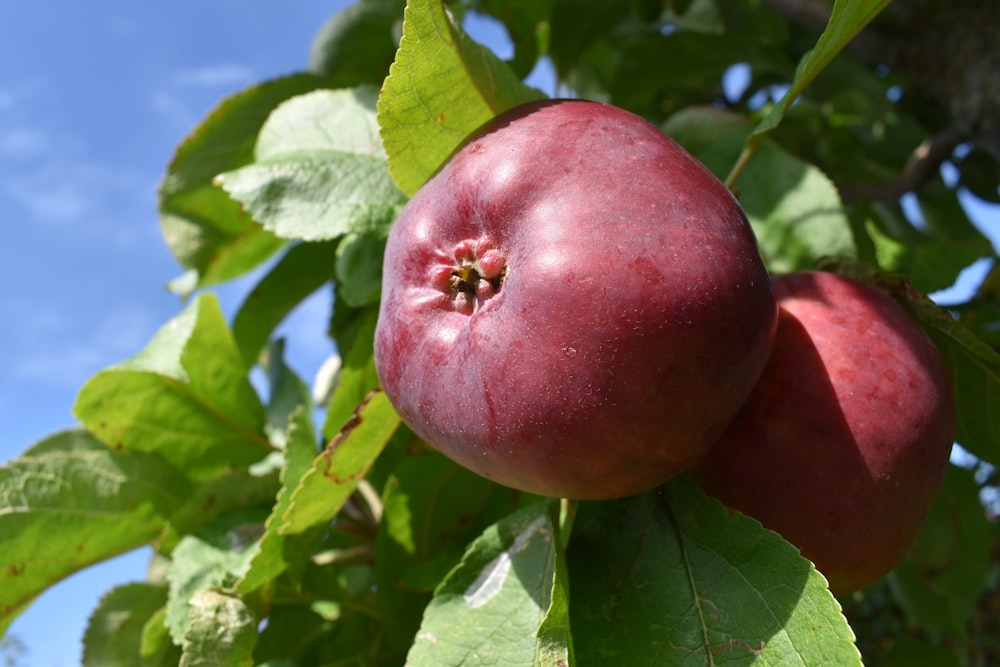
923,163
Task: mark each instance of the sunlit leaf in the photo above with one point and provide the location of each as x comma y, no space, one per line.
489,608
335,473
672,577
185,396
71,502
440,88
222,631
319,170
207,231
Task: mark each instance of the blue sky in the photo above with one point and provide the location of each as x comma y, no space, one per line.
94,96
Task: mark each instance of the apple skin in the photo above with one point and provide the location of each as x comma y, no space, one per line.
572,306
845,440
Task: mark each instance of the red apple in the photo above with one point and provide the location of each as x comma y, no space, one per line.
845,440
572,305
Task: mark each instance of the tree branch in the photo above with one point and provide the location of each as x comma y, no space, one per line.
921,166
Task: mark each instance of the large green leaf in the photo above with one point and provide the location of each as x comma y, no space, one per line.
440,88
319,170
70,502
489,609
974,365
673,577
185,396
208,232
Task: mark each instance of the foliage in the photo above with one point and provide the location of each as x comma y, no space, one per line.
289,533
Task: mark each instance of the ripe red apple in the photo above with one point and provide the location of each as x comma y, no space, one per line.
844,442
572,305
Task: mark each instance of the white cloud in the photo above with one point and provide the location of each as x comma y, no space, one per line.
23,142
215,76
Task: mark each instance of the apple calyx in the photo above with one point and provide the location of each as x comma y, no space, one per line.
479,272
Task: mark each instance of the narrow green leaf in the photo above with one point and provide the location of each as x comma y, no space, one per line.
555,639
974,365
488,610
440,88
847,18
291,408
357,375
673,577
320,170
335,473
942,578
302,270
206,230
795,210
186,396
222,631
72,502
115,629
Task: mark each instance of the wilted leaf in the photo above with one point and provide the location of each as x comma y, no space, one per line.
222,631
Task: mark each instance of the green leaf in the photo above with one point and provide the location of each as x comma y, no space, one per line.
335,473
222,631
206,230
527,23
847,18
423,534
115,629
359,269
320,170
488,610
795,210
186,397
214,559
357,375
941,579
974,365
358,43
291,409
441,87
673,577
70,502
915,653
302,270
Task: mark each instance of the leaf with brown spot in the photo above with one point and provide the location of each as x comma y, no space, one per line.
333,477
